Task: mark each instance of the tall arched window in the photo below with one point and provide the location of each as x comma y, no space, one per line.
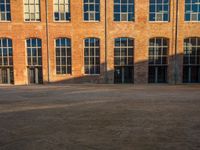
6,61
191,62
63,56
34,60
92,55
124,60
158,60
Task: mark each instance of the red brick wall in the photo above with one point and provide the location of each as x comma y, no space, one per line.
141,30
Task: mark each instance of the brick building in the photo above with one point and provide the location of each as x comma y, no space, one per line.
99,41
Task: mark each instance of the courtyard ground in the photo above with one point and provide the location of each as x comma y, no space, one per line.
100,117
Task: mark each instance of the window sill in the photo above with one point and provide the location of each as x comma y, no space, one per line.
192,22
32,21
54,21
124,21
159,21
64,75
92,75
91,21
9,21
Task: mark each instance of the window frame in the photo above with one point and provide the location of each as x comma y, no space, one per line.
89,56
62,21
32,21
120,47
155,47
83,14
162,21
127,13
189,55
6,12
190,13
66,65
37,56
8,47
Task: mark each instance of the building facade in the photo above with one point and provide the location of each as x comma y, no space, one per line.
99,41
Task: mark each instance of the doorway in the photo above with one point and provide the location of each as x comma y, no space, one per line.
157,74
123,74
35,75
6,75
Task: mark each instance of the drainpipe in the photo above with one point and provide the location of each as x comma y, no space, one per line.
47,39
176,43
106,53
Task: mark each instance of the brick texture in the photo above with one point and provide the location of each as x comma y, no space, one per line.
141,30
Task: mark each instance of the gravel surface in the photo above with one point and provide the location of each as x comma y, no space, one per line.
100,117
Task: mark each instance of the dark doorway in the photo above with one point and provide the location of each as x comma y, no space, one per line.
6,75
157,74
35,75
191,74
124,60
123,74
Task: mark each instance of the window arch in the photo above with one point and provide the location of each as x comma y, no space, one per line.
6,61
34,51
63,56
92,55
158,59
34,60
191,61
124,51
124,60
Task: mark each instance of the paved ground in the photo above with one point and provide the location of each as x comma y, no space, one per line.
100,117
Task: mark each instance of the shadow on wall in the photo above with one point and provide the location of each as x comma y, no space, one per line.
158,69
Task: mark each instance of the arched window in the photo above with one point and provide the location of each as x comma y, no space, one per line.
158,60
34,60
92,55
5,14
124,60
63,56
123,51
34,51
6,61
159,10
191,62
62,10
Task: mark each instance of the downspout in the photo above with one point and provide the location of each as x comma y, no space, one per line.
176,43
106,53
47,40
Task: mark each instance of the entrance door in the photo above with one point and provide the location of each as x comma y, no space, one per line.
123,74
35,75
6,75
157,74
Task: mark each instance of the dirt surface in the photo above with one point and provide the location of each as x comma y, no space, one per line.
100,117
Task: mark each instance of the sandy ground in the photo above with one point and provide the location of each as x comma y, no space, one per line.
100,117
